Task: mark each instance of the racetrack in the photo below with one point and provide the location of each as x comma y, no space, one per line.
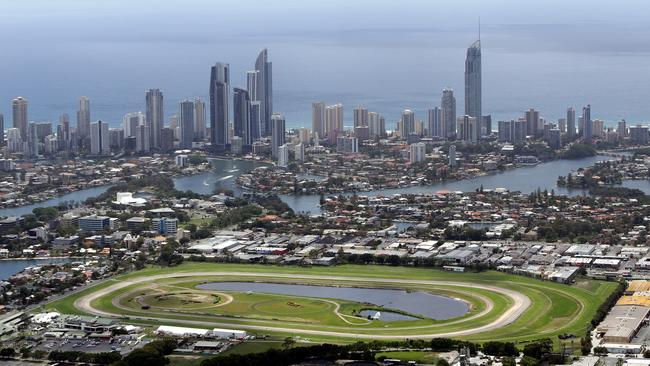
519,304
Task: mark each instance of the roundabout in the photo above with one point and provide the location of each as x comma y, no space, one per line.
316,302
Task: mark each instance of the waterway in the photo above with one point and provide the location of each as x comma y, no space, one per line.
73,197
225,172
524,179
10,267
418,303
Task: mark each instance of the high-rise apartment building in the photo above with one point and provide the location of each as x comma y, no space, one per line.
99,138
468,129
435,123
186,123
154,116
199,119
219,90
264,91
360,116
19,109
83,118
448,106
318,118
242,116
571,122
277,133
417,152
588,132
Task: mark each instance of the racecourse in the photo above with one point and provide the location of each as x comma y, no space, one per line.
502,306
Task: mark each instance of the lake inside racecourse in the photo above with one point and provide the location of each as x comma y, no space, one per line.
417,302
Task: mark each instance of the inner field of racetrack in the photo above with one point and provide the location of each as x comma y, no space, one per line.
503,306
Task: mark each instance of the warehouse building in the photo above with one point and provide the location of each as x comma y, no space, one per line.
622,323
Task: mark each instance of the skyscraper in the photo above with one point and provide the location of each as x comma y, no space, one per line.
434,127
417,152
532,122
142,136
83,118
64,137
360,116
154,116
375,125
2,130
473,81
242,116
283,156
14,140
166,139
621,130
408,123
264,90
468,129
586,117
448,106
571,122
219,90
256,105
199,119
277,133
318,118
333,121
131,121
19,108
99,138
186,120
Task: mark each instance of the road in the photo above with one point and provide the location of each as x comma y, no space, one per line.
520,303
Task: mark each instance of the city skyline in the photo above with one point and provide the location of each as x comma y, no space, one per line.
338,70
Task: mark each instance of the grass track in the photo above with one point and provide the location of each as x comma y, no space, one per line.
555,309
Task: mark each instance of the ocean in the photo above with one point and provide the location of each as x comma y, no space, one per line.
386,56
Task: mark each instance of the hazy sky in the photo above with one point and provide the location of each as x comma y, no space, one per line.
389,54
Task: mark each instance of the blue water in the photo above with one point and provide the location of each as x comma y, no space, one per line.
418,303
74,197
225,172
548,54
11,267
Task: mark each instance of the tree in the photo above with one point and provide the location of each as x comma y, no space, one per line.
600,350
7,352
288,342
529,361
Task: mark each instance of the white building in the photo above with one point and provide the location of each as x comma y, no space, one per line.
418,152
452,156
283,156
304,135
182,161
299,150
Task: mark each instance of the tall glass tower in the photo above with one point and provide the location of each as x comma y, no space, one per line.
219,90
264,91
473,81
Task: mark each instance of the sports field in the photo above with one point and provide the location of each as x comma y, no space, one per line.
501,306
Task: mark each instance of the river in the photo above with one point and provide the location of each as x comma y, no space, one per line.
225,172
10,267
